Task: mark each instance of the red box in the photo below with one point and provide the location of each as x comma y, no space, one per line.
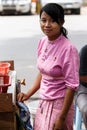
5,82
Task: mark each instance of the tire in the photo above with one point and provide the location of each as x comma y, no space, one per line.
76,11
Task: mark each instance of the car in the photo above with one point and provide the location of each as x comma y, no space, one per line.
15,6
70,6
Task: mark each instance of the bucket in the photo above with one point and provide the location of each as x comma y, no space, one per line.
5,82
4,68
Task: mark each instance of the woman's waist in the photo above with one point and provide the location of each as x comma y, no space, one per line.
52,93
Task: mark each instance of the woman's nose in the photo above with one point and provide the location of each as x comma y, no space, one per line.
48,23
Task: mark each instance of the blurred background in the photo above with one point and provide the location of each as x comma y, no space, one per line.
33,6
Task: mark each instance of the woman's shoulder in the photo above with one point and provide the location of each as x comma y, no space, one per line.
69,44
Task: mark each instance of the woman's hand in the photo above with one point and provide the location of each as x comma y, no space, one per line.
22,97
59,124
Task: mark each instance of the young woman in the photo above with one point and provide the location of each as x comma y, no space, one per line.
58,63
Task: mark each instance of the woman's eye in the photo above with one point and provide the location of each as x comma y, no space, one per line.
43,20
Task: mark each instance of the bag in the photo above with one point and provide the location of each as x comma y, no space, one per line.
24,116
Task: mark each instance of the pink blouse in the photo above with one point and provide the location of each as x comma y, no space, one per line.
58,62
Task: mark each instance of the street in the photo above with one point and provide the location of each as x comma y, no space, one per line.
19,37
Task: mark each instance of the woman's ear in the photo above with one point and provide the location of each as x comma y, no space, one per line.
62,22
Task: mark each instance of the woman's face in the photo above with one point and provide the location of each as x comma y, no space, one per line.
49,27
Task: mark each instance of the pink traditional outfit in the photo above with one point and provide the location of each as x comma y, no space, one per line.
58,62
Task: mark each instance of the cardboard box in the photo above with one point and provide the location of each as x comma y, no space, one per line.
7,112
7,121
5,128
6,104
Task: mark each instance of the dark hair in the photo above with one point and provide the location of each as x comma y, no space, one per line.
83,61
83,64
56,12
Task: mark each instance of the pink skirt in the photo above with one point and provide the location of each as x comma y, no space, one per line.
47,113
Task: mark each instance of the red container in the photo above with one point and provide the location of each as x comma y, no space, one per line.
4,68
5,82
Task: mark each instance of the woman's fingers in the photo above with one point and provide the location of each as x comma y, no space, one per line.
20,97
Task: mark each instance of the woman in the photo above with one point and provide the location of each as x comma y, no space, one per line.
58,63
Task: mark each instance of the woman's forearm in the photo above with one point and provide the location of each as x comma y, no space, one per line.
35,86
83,78
67,102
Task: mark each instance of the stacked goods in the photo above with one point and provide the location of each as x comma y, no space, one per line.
7,109
5,79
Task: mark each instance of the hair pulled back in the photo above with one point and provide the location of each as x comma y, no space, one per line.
56,12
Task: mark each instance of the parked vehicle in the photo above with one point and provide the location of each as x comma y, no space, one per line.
70,6
15,6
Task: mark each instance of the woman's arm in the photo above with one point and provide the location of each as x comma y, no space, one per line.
59,124
83,78
69,96
22,96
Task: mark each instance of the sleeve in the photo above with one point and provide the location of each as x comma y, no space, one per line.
71,65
